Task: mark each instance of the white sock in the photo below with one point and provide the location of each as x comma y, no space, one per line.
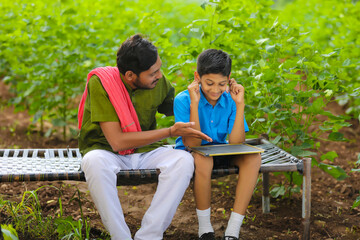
234,225
204,221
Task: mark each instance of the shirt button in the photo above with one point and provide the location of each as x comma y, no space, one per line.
212,121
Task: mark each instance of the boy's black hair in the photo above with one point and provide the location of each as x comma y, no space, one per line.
214,61
136,54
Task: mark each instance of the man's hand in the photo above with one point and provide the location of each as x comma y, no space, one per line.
186,130
236,91
194,91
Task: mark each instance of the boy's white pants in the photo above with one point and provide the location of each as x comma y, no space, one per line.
100,168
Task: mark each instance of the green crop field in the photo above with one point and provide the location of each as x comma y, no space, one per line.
294,58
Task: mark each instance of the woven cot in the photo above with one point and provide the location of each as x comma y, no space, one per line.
64,164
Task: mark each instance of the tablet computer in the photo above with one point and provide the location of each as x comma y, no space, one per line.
226,149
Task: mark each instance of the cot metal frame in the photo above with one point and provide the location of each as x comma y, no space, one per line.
64,164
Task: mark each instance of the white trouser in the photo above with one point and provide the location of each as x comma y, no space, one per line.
100,168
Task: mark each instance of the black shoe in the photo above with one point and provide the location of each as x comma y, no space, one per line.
229,238
208,236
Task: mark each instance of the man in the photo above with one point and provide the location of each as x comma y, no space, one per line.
117,132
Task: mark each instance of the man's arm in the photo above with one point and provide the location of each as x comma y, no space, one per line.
120,141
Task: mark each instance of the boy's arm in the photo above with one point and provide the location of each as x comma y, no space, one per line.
237,134
194,92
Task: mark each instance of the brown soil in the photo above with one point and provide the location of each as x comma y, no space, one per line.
331,216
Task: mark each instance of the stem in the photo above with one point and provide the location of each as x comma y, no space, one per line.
211,26
64,113
41,125
291,184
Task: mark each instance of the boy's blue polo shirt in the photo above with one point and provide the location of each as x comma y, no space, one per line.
216,122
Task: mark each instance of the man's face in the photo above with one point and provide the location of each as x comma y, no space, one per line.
149,78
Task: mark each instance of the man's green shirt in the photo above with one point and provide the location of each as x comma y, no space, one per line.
98,108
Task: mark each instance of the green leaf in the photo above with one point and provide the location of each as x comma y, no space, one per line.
48,133
358,161
347,62
261,41
225,23
329,156
274,24
74,132
332,54
336,136
69,11
299,151
277,191
58,122
356,203
203,5
317,105
262,63
276,140
270,48
335,171
37,116
306,154
8,232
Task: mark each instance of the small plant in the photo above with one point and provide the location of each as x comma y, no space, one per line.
68,228
356,203
8,232
27,218
224,213
27,215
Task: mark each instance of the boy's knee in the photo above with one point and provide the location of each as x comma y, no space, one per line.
203,172
203,165
256,160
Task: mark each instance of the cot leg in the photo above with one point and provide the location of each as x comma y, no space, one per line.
306,202
266,195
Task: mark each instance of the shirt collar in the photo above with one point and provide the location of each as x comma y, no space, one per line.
204,101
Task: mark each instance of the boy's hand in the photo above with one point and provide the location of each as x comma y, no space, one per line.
236,91
194,91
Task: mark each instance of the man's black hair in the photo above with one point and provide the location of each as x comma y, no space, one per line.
136,54
213,61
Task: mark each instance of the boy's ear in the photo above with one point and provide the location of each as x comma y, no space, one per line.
196,76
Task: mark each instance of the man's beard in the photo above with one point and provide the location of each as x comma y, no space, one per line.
139,85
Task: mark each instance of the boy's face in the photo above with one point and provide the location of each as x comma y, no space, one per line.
213,85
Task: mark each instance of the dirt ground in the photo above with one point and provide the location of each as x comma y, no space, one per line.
331,201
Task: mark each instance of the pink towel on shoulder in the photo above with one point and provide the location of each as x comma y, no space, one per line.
119,98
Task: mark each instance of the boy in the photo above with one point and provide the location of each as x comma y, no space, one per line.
216,104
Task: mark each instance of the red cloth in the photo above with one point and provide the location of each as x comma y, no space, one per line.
119,98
